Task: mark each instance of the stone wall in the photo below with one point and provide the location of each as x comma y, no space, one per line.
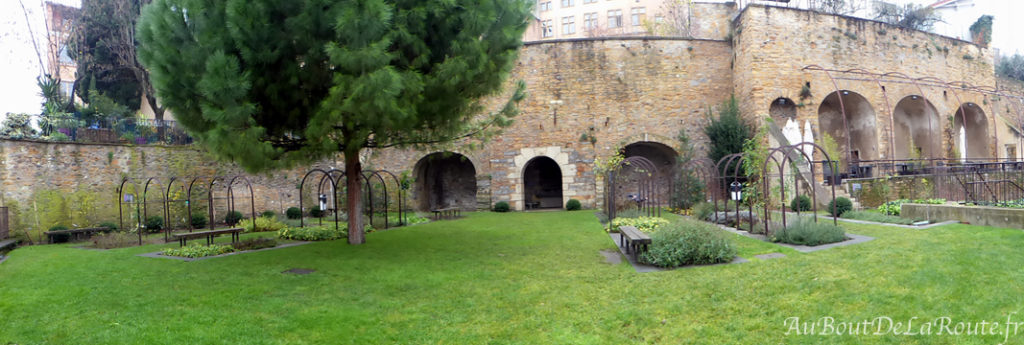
73,184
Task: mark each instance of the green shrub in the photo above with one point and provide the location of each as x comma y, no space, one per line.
268,214
573,205
198,251
314,233
255,243
233,218
800,203
838,206
263,224
809,233
198,220
59,238
293,213
894,207
877,217
154,223
114,240
689,242
316,212
501,206
703,210
109,225
644,224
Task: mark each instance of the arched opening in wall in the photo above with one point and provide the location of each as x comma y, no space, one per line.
445,179
782,109
970,133
542,183
859,126
664,157
916,131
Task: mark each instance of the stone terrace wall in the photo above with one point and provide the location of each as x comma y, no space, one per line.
772,45
75,184
619,91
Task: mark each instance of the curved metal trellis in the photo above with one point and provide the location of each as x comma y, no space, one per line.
333,178
704,171
789,153
647,188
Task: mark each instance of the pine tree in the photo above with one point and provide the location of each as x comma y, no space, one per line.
727,133
270,84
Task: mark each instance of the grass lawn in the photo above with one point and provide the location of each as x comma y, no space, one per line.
513,278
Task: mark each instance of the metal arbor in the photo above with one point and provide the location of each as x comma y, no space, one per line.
793,156
646,196
334,178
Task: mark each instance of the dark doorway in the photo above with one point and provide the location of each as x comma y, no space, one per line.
664,158
542,184
445,179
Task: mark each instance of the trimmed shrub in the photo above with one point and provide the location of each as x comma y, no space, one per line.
894,207
316,212
573,205
198,220
703,210
809,233
268,214
688,242
263,224
839,206
800,203
60,238
293,213
314,233
233,218
872,216
644,224
198,251
154,223
501,206
109,225
114,240
255,243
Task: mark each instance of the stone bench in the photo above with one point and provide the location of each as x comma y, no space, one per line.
8,244
209,235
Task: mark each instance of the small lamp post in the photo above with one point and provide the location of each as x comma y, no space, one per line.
736,191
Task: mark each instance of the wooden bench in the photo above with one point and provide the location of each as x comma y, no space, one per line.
235,234
635,241
8,244
75,234
446,213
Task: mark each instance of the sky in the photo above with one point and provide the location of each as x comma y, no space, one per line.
19,64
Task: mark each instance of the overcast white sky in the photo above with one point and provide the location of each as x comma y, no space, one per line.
19,65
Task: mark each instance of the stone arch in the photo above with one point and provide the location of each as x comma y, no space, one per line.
970,123
857,136
664,157
916,124
445,179
542,183
782,108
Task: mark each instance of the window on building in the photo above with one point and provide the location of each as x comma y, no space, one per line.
589,1
614,19
637,15
547,28
544,6
569,25
568,3
590,21
1011,153
66,88
659,19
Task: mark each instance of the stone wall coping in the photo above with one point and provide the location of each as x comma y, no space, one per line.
858,19
37,141
622,38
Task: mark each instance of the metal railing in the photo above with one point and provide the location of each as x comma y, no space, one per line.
978,181
106,130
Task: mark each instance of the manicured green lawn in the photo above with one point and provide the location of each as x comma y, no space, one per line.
515,278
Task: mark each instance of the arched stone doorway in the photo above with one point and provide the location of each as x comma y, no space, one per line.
542,183
970,133
665,158
859,126
445,179
916,131
781,109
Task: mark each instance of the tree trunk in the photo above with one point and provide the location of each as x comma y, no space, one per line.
354,195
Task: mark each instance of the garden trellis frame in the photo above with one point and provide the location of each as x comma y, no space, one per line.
647,187
790,153
334,178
